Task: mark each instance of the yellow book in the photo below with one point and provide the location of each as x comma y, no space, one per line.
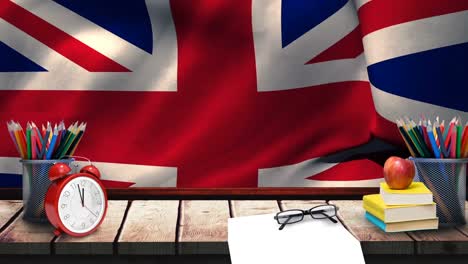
416,193
375,205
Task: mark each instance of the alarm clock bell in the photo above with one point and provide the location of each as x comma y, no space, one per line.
58,170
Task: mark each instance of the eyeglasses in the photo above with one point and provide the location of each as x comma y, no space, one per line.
296,215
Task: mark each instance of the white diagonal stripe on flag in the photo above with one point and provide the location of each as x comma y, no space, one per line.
296,176
285,68
149,72
359,3
391,107
416,36
33,50
323,35
101,40
141,175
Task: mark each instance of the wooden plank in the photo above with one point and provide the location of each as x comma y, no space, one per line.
443,241
464,228
373,240
253,207
8,209
22,237
203,227
99,242
150,228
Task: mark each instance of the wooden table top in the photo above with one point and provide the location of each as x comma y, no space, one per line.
172,227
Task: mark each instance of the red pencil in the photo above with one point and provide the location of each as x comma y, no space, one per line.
464,136
448,136
453,145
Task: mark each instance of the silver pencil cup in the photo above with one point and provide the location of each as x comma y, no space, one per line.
35,184
446,178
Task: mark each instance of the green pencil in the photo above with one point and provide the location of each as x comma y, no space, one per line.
28,140
420,138
459,139
67,145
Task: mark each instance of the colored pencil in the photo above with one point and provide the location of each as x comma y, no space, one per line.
20,139
459,140
33,144
28,140
406,138
48,142
448,133
431,137
77,140
444,151
52,143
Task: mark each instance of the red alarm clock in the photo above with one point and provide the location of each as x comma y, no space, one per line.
75,203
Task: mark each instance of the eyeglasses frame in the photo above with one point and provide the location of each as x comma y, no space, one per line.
307,212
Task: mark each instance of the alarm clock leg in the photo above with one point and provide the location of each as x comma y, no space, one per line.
57,232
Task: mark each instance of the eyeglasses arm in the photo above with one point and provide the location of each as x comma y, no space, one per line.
285,223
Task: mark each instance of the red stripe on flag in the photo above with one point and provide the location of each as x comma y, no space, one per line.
108,184
347,48
378,14
58,40
387,130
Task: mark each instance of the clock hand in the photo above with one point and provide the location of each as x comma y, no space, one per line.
81,195
82,199
90,211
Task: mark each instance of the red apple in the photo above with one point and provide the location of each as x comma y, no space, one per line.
398,173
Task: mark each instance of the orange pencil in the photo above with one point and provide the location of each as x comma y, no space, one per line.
19,133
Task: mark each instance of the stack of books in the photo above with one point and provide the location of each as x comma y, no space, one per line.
402,210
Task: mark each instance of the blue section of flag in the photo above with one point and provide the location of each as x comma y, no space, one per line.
10,180
300,16
13,61
127,19
437,76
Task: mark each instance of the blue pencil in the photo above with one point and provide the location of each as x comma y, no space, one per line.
442,143
435,149
45,141
50,150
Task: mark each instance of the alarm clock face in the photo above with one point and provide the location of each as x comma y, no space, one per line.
81,205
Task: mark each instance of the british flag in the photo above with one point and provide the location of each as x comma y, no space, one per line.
215,93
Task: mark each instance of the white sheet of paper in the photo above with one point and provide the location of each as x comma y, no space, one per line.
256,239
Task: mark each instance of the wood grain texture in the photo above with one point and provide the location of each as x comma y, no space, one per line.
8,209
26,238
442,241
203,227
99,242
373,240
150,228
253,207
464,228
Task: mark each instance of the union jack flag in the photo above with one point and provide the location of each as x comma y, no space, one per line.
215,93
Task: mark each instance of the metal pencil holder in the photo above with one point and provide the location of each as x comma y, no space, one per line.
35,184
446,178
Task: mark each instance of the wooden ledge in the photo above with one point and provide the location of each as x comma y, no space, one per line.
172,227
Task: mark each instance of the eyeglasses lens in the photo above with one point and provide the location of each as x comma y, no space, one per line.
324,211
290,217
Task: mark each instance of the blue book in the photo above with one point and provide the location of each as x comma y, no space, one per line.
425,224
